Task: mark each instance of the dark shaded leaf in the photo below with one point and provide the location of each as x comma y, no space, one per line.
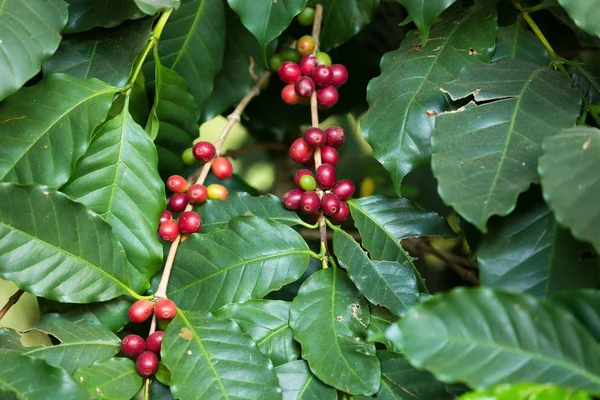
584,305
87,14
152,7
423,14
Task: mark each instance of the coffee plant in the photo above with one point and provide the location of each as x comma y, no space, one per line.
292,199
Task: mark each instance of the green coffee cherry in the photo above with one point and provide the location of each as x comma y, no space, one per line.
306,16
323,59
188,157
308,183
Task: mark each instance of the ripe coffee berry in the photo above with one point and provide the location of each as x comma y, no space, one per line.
329,155
189,222
299,174
308,183
222,168
217,192
291,200
140,311
204,151
165,216
305,45
310,202
308,64
132,346
339,75
344,189
322,75
289,95
330,204
335,136
168,230
342,213
147,364
304,86
154,342
177,184
315,137
300,151
197,194
323,59
326,176
178,201
165,309
289,72
327,96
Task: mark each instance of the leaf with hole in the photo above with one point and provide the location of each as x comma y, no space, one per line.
424,14
514,42
298,383
115,379
10,341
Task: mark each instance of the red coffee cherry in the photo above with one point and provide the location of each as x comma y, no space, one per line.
165,216
217,192
327,96
300,151
329,155
222,168
168,230
289,72
299,174
147,364
154,342
304,86
326,176
315,137
177,184
339,75
289,95
165,309
307,64
335,136
178,201
322,75
140,311
291,200
132,346
310,202
197,194
204,151
189,222
342,213
305,45
330,204
344,189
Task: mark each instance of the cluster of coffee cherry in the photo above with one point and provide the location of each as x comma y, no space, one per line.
146,352
320,191
189,221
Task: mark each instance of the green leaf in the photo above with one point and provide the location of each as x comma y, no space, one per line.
329,318
381,319
401,381
55,248
118,179
266,322
424,13
115,379
585,13
217,213
10,341
112,314
152,7
384,222
209,358
524,104
30,33
527,391
405,98
587,79
266,19
26,378
386,283
527,252
250,259
502,337
192,44
106,54
514,42
87,14
569,188
298,383
584,305
47,127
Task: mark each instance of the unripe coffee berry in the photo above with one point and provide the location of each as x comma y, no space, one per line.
344,189
327,96
275,63
315,137
335,136
342,213
165,309
140,311
217,192
289,95
291,199
289,72
147,364
323,59
188,157
308,183
222,168
339,75
300,173
330,204
304,86
310,202
165,216
300,151
204,151
326,176
189,222
178,201
306,16
305,45
321,75
329,155
177,184
197,194
289,54
168,230
308,64
132,346
154,342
